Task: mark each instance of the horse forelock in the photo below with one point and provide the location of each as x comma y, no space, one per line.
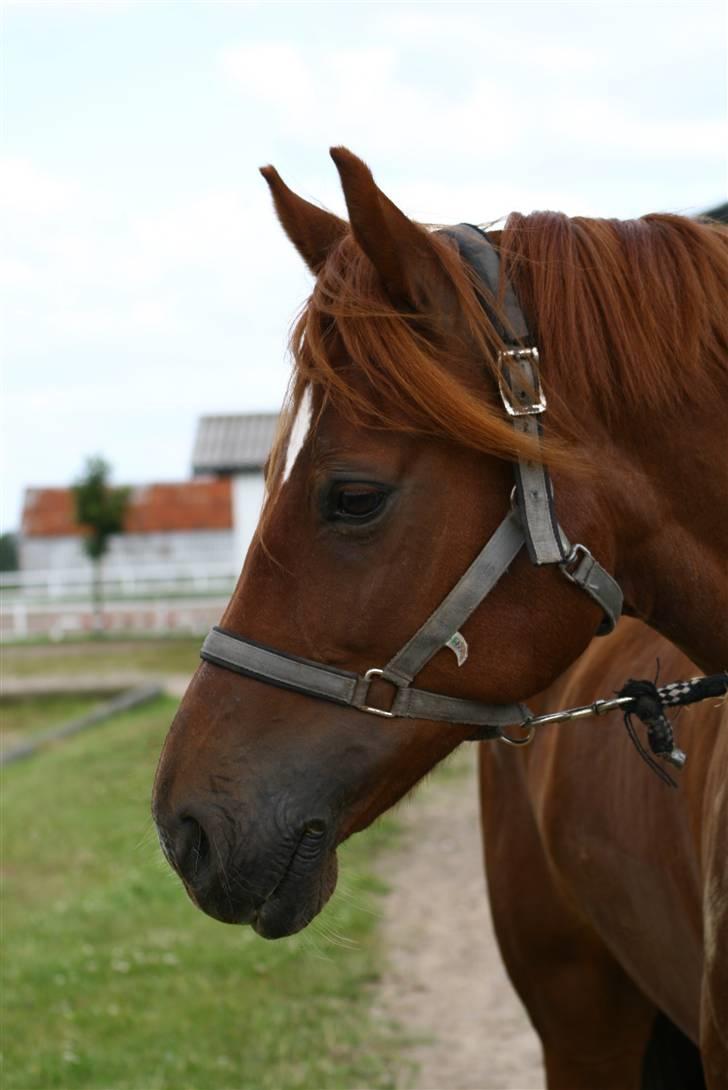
386,368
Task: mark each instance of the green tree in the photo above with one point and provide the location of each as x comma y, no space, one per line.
100,511
8,552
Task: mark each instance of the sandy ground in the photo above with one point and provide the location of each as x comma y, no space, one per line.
445,982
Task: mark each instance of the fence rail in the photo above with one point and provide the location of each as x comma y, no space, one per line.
151,617
143,598
118,582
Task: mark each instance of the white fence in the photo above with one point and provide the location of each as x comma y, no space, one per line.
149,598
55,584
151,617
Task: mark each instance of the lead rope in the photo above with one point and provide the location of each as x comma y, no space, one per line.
644,700
648,703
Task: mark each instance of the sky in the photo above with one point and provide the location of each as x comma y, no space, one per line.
145,280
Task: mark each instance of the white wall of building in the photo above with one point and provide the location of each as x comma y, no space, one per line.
197,547
194,547
248,495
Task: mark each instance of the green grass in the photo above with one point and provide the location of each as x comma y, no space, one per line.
104,656
114,981
20,716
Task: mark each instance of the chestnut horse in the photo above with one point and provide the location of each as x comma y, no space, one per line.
391,471
627,881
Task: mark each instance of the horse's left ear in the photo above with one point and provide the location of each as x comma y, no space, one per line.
312,230
396,246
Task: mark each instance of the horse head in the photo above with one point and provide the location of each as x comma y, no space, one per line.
390,472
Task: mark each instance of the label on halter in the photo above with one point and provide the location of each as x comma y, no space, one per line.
459,646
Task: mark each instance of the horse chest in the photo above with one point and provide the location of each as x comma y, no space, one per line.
639,889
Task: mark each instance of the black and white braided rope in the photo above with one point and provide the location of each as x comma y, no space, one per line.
693,690
648,703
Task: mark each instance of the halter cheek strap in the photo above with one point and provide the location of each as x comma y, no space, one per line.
523,398
519,385
532,520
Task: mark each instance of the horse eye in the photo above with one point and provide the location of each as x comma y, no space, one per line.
357,503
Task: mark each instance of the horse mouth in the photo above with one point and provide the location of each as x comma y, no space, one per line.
302,892
298,895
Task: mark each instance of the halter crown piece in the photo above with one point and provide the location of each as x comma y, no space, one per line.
531,521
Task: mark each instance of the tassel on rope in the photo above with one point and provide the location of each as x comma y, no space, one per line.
648,704
648,707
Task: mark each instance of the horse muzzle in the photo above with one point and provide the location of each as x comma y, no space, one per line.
276,883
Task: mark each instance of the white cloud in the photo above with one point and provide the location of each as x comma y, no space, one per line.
97,7
28,190
358,96
142,279
78,271
500,118
269,71
114,313
474,26
608,128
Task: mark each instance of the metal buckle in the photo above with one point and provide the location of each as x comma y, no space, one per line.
573,562
519,406
375,672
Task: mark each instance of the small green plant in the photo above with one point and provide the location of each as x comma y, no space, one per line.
100,511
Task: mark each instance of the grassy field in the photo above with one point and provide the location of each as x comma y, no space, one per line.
112,979
105,656
22,716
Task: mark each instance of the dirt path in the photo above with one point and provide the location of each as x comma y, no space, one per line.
445,983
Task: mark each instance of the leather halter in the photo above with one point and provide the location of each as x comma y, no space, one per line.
531,521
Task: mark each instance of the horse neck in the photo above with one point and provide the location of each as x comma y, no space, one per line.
665,489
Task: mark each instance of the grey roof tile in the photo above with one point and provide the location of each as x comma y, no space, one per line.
233,443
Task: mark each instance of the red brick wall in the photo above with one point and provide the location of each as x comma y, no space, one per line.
154,508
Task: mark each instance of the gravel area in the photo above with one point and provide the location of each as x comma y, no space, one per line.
445,983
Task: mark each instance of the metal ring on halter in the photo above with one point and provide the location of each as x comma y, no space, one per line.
531,730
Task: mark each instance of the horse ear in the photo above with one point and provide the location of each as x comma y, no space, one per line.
396,246
312,230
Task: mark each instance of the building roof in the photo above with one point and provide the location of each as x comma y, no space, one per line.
233,444
152,508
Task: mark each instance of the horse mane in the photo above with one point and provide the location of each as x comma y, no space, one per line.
623,312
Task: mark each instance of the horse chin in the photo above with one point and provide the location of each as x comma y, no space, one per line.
297,900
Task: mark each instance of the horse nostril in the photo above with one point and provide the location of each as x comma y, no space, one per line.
191,849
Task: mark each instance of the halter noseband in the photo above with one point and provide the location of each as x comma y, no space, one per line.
531,521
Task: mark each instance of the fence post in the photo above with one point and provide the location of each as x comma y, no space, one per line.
20,620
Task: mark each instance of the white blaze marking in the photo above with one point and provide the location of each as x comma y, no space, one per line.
299,433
